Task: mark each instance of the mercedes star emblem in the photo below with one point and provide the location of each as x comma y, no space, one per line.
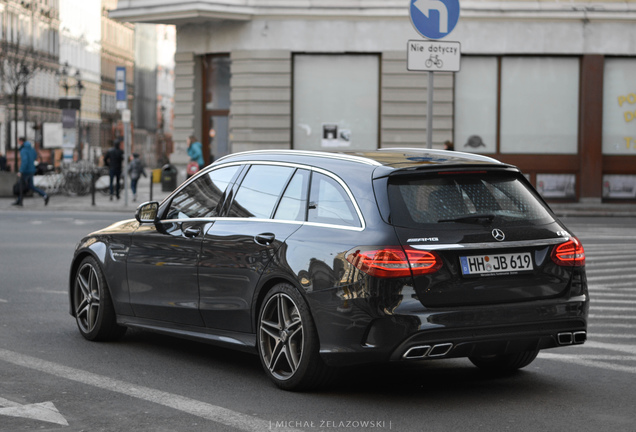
498,234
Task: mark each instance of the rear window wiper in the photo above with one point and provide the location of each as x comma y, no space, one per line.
471,218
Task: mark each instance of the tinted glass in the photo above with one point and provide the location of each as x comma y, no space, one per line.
329,203
201,197
293,205
260,190
424,200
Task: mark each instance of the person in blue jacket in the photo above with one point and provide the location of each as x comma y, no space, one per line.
195,151
28,155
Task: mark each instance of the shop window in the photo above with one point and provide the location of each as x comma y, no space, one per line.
476,105
619,107
539,105
216,82
336,102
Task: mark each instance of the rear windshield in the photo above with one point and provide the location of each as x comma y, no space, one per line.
463,198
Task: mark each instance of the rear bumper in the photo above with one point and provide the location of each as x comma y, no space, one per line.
412,332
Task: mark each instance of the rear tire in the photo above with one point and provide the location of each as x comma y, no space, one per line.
288,342
504,363
92,304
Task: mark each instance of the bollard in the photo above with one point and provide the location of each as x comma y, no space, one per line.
93,180
151,182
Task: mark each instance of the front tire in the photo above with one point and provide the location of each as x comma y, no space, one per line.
505,363
288,342
92,304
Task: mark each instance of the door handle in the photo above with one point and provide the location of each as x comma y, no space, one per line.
264,239
191,232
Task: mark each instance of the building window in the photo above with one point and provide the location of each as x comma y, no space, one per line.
476,105
539,105
619,107
336,102
536,112
216,72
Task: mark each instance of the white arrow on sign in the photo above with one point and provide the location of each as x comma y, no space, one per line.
44,411
425,6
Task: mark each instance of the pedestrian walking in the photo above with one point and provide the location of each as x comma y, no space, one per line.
135,170
114,159
195,151
28,155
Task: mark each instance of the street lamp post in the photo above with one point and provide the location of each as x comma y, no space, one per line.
79,86
23,80
63,76
25,72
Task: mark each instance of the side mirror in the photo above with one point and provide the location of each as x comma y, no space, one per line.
147,212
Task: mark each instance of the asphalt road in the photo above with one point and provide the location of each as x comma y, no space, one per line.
51,379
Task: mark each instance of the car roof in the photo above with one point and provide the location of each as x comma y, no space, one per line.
390,159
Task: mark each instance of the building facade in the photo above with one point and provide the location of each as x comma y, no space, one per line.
118,50
547,86
80,71
29,52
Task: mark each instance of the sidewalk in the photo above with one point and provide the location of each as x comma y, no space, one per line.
84,203
103,203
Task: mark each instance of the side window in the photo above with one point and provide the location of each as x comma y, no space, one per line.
201,198
293,205
330,204
260,190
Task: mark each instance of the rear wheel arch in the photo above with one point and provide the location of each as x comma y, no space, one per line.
287,340
261,293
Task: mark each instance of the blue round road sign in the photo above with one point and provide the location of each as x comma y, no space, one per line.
434,19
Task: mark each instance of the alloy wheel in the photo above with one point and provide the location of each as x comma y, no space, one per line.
281,336
87,298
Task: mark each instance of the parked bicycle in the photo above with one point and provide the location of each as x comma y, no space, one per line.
72,179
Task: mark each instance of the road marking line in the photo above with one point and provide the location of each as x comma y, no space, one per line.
44,411
606,294
591,363
613,301
595,325
631,349
191,406
610,335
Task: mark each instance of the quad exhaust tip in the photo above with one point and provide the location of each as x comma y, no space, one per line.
569,338
427,351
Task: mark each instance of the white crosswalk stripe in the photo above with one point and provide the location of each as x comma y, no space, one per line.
610,254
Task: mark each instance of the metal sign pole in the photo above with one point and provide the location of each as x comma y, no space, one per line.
127,144
429,112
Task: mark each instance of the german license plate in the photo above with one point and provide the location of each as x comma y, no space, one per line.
496,264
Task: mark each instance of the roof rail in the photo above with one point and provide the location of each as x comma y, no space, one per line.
322,154
471,156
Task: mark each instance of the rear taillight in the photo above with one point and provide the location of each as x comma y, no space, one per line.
570,253
394,262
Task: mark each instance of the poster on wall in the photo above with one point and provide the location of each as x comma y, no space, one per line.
557,185
333,137
619,186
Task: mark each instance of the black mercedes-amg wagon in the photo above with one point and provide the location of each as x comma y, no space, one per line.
316,260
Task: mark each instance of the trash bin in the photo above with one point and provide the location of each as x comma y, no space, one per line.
168,178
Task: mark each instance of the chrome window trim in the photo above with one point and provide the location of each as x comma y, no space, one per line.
260,220
329,174
491,245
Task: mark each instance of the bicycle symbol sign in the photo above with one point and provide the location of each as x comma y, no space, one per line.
434,19
433,56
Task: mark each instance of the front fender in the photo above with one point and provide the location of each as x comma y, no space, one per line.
111,252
